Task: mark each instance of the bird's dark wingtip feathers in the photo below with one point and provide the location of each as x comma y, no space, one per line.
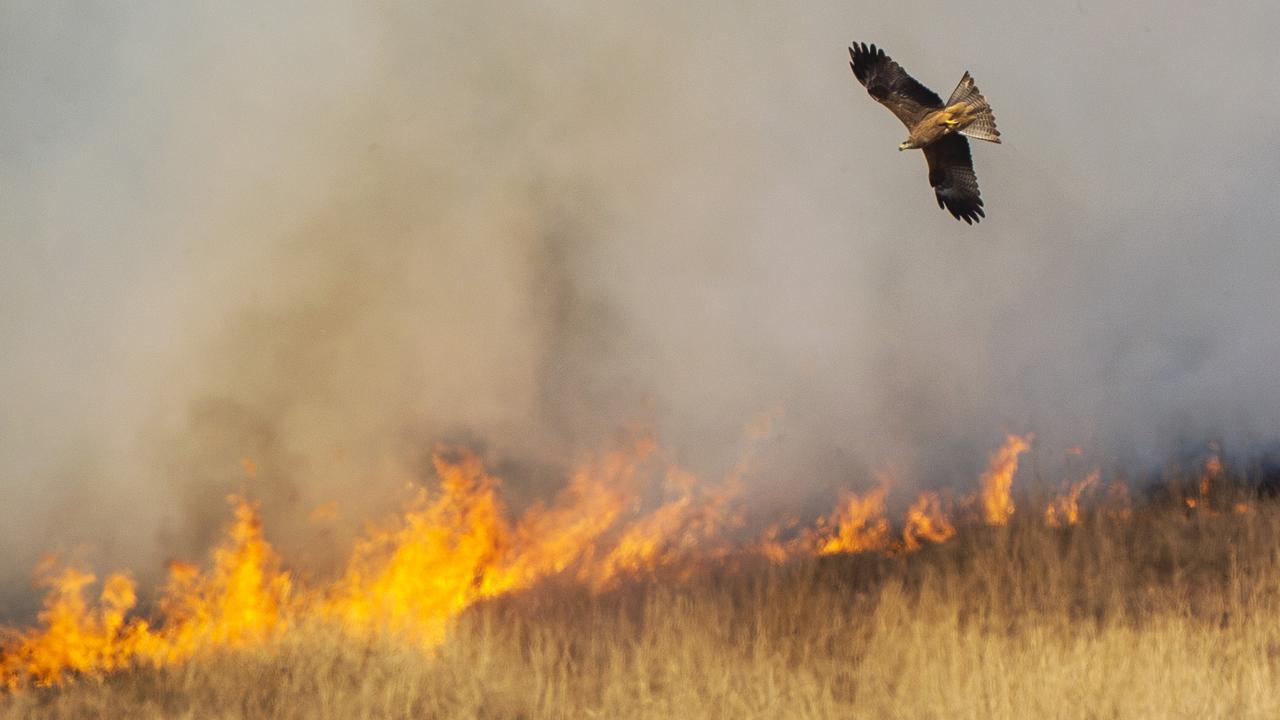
969,212
856,49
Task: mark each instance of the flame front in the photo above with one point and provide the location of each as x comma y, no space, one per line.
76,637
240,601
625,514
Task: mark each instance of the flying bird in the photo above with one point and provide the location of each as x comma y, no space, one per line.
937,128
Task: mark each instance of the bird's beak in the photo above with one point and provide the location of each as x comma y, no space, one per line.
903,146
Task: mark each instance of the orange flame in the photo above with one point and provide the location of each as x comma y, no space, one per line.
1065,509
858,525
450,549
997,481
675,531
239,602
412,577
926,521
75,637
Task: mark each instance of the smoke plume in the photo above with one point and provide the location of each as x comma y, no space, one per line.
291,248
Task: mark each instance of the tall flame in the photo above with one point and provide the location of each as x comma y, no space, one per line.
412,577
997,481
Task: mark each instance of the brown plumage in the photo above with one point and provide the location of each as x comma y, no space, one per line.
938,128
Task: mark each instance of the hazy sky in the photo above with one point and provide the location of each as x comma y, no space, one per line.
327,236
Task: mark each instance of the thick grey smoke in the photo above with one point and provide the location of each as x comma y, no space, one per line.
324,236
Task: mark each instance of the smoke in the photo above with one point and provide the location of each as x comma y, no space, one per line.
323,237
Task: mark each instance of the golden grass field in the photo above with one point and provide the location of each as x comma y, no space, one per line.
1169,613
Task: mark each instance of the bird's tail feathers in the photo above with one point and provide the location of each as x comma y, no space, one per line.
984,125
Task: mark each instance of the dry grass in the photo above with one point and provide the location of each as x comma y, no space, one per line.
1162,616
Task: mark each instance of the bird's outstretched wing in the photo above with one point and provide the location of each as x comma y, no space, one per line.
889,84
952,177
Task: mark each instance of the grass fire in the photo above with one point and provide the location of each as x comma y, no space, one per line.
564,359
594,603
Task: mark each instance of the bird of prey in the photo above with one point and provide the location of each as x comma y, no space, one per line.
937,128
